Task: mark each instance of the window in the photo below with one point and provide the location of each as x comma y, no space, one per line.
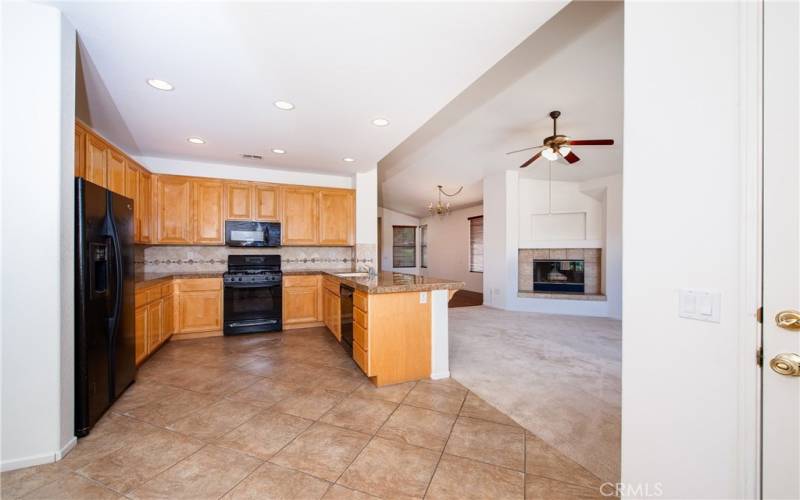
423,245
404,240
476,244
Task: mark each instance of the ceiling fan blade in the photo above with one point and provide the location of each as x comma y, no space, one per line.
523,149
571,157
533,159
592,142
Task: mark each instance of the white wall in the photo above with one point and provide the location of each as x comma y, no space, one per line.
262,174
500,230
366,184
448,248
568,198
37,278
682,407
391,218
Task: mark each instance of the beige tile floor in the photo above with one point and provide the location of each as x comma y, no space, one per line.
290,416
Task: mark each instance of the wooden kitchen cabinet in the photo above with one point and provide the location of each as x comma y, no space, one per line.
336,217
208,212
140,318
302,301
153,319
173,201
266,202
300,216
115,172
80,150
143,208
154,324
331,313
238,201
96,158
131,182
199,305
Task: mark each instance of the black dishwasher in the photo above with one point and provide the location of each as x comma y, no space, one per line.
346,317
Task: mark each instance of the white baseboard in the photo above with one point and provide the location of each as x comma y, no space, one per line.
44,458
440,375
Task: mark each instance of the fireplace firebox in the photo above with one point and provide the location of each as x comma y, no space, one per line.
561,276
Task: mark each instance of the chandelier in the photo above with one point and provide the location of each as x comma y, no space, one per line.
442,208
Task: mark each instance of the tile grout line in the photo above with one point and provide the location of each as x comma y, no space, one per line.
449,435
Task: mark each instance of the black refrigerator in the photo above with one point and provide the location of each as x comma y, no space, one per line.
105,342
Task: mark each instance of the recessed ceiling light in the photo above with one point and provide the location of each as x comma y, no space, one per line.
159,84
279,151
196,140
349,160
284,105
380,122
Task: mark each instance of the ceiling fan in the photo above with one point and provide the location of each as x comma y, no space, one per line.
560,146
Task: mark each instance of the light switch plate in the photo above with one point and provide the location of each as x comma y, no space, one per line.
703,305
423,297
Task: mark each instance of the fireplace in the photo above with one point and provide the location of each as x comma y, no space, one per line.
561,276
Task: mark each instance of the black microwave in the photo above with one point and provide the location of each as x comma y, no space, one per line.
245,233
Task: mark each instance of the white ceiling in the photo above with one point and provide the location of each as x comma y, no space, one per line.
341,64
574,63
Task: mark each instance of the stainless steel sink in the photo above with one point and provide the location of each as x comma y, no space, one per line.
353,275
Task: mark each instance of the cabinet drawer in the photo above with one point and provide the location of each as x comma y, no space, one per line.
331,285
153,294
167,289
290,281
361,358
361,301
140,298
361,336
360,317
198,285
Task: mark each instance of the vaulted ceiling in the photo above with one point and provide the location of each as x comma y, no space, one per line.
573,63
341,65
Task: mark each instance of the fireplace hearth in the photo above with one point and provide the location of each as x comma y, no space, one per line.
559,276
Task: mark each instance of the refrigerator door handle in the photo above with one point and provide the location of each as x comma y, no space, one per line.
114,319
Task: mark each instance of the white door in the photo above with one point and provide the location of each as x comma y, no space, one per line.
781,271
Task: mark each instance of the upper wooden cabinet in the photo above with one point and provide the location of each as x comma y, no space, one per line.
142,208
266,202
131,181
336,217
300,216
208,211
173,201
80,150
115,172
238,201
96,158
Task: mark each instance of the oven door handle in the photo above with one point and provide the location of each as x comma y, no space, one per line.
252,285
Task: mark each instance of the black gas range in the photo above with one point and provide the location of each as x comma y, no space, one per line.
253,294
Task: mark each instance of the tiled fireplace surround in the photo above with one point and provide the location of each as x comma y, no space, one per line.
170,259
591,270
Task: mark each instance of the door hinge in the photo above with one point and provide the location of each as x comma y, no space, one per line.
760,357
760,315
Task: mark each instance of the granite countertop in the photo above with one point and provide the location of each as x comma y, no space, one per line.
385,282
149,279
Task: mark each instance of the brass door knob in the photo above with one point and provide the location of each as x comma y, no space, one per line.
789,320
787,363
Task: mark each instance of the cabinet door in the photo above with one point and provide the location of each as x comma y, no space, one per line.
300,216
238,201
96,160
143,208
173,209
199,311
168,316
154,325
140,319
208,225
300,305
115,175
80,151
131,182
326,309
336,217
265,199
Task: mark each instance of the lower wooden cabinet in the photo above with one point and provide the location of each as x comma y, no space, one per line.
302,301
331,307
190,307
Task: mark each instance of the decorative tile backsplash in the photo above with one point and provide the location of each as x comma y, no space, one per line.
156,259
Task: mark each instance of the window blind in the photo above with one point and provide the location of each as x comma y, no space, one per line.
404,241
476,244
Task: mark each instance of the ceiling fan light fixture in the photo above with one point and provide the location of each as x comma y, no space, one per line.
550,154
564,150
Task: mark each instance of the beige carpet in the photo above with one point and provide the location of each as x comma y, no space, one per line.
557,376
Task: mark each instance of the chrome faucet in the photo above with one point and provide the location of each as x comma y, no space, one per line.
370,271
